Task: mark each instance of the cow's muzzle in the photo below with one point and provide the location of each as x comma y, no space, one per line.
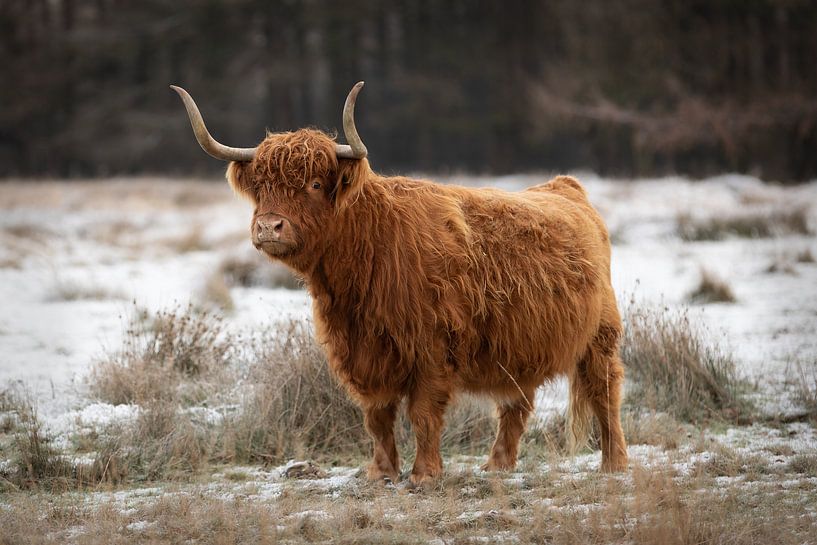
272,233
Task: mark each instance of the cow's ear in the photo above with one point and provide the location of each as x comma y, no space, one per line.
240,180
352,174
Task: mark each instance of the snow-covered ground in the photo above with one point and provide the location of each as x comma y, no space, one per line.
75,258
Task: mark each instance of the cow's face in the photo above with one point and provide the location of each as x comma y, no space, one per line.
296,184
298,181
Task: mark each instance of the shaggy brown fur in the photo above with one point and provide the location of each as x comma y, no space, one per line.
422,290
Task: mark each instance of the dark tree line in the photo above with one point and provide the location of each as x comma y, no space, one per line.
632,87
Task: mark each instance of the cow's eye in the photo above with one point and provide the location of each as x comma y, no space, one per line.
316,185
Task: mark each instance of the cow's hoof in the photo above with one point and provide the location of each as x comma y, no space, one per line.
417,483
376,475
494,465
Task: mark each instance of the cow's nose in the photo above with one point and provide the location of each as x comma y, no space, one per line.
276,227
270,229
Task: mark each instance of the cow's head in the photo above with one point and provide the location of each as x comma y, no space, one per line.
297,181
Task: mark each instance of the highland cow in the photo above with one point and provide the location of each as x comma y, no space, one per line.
422,291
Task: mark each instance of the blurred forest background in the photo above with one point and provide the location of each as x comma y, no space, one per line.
627,87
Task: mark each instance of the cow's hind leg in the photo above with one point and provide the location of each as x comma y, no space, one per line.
379,422
512,416
426,409
601,376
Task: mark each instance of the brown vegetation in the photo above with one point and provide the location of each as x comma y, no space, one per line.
805,387
250,270
277,400
656,505
757,224
174,356
73,290
805,256
711,289
671,368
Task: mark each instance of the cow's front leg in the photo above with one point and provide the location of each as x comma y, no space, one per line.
426,410
512,416
379,422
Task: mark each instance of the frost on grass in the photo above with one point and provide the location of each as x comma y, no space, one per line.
658,501
260,401
36,460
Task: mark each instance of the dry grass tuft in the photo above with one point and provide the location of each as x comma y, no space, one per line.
28,232
726,462
804,463
291,405
72,290
748,225
470,427
163,443
253,270
671,369
711,289
177,355
35,462
805,387
192,241
216,293
781,266
33,459
805,256
650,428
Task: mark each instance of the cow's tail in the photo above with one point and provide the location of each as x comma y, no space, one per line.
579,413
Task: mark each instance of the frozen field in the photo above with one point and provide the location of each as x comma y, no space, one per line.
77,259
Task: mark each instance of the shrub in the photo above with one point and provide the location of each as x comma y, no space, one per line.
670,368
179,355
291,405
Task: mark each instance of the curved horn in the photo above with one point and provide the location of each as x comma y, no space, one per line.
207,142
355,149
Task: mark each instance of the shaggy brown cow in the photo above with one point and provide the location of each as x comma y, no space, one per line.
421,290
